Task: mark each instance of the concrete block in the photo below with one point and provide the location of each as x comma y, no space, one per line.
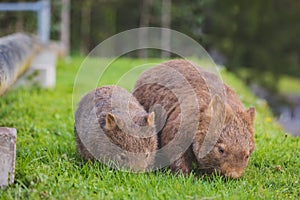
7,155
44,65
42,71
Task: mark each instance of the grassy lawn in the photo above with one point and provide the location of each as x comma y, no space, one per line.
289,85
286,85
48,165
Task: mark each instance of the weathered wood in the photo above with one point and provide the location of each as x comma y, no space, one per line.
7,155
16,53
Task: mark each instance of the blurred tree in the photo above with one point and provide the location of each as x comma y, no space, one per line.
187,17
166,23
26,21
11,22
144,22
260,35
65,26
85,25
20,22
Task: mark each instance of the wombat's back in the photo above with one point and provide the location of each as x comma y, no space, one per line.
156,84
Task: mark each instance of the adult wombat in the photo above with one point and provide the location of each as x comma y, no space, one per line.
189,100
111,126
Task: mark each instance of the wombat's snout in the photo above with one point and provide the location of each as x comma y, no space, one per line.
234,174
139,162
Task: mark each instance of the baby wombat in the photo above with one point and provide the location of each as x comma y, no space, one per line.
111,126
190,102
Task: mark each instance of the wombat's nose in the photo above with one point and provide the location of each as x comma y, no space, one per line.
233,174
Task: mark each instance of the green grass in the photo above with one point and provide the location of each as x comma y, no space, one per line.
49,167
289,85
286,85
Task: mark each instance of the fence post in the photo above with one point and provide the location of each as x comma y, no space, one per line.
44,21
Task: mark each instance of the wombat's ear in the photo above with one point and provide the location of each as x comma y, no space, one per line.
251,113
110,122
150,119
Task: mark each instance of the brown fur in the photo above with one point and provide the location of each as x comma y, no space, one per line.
230,155
111,115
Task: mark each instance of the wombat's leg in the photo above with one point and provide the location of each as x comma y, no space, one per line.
184,163
81,149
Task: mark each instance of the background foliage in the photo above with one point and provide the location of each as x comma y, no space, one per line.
259,35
